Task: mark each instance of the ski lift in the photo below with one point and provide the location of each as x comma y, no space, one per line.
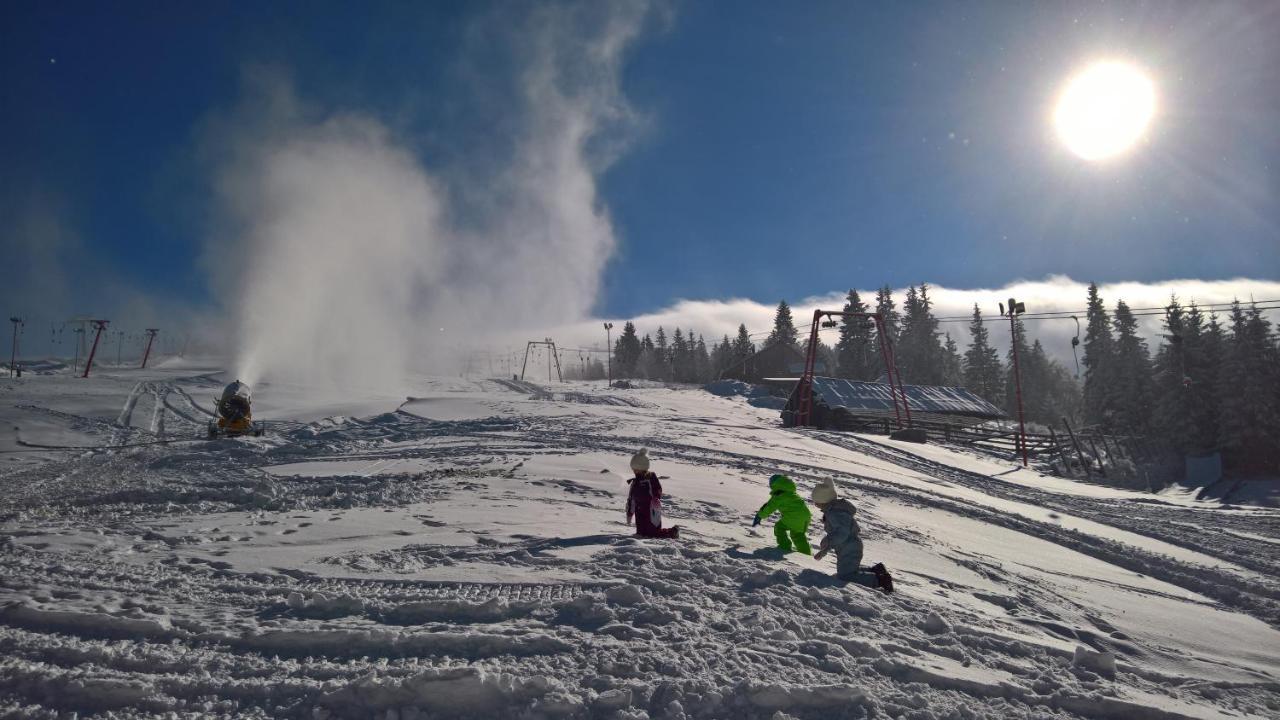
830,323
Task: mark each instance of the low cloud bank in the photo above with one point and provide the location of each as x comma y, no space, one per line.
716,318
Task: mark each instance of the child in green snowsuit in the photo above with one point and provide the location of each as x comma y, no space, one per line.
793,526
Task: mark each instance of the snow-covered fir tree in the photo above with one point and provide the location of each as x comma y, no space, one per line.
743,348
784,328
626,351
1133,389
919,351
855,351
1099,362
952,363
889,317
983,373
1250,392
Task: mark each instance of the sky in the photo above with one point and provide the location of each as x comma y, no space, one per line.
531,165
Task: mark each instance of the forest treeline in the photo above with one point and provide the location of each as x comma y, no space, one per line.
1212,383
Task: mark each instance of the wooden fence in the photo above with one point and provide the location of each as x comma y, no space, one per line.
1122,459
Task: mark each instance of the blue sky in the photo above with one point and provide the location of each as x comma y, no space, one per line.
776,149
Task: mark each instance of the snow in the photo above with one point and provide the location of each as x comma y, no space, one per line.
460,550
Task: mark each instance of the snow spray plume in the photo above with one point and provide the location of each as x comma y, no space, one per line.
344,262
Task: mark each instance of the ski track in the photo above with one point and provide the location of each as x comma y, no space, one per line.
141,631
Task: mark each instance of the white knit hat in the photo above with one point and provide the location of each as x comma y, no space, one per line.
640,461
824,492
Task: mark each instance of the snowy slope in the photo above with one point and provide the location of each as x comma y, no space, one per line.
460,551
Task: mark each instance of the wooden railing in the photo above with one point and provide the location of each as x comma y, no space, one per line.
1126,459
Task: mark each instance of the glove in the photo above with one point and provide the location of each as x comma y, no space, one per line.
820,554
755,521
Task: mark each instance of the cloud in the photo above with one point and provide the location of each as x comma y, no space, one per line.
343,259
715,318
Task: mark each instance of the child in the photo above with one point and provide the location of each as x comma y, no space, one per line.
793,526
842,537
644,501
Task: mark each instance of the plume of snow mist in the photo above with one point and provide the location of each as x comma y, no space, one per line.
341,228
345,261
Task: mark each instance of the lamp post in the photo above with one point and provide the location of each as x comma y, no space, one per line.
608,349
1015,309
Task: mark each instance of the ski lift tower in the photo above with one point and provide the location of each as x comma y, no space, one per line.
551,346
13,357
100,325
151,337
804,410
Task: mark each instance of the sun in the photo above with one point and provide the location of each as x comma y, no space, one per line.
1105,109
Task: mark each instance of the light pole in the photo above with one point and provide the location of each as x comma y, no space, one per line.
1015,309
13,357
608,349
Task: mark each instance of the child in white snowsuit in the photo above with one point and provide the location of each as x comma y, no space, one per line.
843,537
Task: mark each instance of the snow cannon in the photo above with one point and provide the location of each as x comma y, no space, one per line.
234,411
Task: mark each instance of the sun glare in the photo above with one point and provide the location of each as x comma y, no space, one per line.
1105,110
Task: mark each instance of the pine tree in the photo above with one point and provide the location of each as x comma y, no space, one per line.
1133,388
888,316
919,354
743,348
1175,405
906,352
721,357
1020,374
1250,421
952,364
679,357
825,359
626,351
784,329
650,363
856,357
701,361
982,371
1056,394
1099,361
1205,381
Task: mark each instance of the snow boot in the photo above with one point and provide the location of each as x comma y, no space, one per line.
883,577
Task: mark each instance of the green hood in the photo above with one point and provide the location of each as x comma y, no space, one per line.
781,483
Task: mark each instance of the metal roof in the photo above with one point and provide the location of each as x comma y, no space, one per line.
875,397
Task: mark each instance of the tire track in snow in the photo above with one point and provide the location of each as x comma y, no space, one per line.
126,412
1147,519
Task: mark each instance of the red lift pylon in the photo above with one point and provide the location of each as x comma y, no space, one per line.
804,409
100,325
151,336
